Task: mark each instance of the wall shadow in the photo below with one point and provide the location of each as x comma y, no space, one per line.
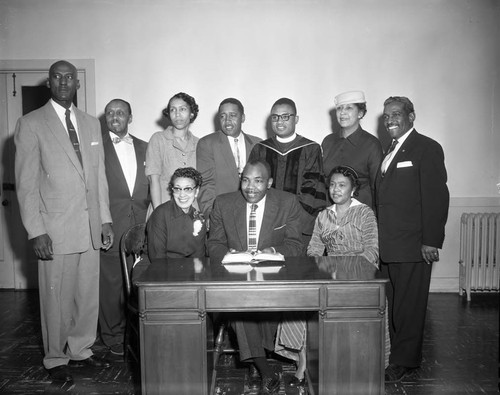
382,134
16,236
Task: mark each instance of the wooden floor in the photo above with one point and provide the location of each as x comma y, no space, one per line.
460,353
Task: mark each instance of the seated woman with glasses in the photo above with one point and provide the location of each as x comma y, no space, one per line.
176,229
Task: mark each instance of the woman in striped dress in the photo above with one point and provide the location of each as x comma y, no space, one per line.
348,227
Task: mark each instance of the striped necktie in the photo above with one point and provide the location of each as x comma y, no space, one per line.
388,156
72,136
252,229
238,161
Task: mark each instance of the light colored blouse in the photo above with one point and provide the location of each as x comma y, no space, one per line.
356,233
164,155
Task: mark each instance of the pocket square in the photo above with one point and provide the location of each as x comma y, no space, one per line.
94,143
406,163
280,227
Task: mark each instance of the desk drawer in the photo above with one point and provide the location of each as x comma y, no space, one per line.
352,296
171,298
262,298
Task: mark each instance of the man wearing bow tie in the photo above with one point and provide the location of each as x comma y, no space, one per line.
412,202
129,198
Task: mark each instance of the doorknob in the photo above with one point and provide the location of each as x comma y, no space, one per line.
5,202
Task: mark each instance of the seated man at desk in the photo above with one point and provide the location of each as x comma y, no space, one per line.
256,218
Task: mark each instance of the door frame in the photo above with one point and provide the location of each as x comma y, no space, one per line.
85,66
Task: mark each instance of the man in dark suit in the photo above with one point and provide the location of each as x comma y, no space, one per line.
277,217
63,197
222,155
125,157
412,202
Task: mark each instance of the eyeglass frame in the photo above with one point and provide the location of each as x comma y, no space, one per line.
282,116
187,190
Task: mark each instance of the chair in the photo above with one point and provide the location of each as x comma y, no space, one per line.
220,346
132,243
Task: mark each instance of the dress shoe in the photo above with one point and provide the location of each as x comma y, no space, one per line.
271,384
91,361
296,382
395,373
117,349
254,380
60,373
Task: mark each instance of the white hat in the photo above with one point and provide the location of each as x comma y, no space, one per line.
349,97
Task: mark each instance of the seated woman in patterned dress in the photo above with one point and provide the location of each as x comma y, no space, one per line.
348,227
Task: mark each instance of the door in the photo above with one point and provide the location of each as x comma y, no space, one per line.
22,91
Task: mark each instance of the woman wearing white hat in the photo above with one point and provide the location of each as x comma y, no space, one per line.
354,146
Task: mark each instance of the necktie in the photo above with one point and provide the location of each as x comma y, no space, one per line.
126,139
252,229
72,136
238,164
388,156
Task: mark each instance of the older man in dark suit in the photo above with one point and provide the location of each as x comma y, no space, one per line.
222,155
63,198
412,202
129,199
276,216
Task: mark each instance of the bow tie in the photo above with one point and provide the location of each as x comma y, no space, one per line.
127,139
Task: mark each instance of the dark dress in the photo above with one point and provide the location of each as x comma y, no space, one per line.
171,232
362,151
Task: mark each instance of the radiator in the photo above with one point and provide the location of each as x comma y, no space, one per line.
479,253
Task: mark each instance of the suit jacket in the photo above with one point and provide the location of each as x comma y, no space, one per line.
281,225
412,200
215,162
56,195
126,209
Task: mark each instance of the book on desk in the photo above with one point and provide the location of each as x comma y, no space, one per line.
251,257
243,262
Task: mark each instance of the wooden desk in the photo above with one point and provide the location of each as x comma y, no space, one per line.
345,334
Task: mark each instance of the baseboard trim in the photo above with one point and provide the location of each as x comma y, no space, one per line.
444,284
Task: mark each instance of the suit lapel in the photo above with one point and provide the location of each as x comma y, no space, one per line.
61,136
270,214
240,219
248,146
402,152
113,165
226,151
139,158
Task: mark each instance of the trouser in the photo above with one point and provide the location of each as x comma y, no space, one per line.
69,305
407,294
255,333
112,318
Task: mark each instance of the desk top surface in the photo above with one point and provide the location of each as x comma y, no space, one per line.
198,271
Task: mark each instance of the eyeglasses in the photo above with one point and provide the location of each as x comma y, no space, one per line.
187,190
284,117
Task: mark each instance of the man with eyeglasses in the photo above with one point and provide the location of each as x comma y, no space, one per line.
297,167
125,157
296,162
222,155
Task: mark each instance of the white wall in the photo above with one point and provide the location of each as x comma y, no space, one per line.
442,54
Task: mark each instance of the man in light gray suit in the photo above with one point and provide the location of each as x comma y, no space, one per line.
222,155
63,198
